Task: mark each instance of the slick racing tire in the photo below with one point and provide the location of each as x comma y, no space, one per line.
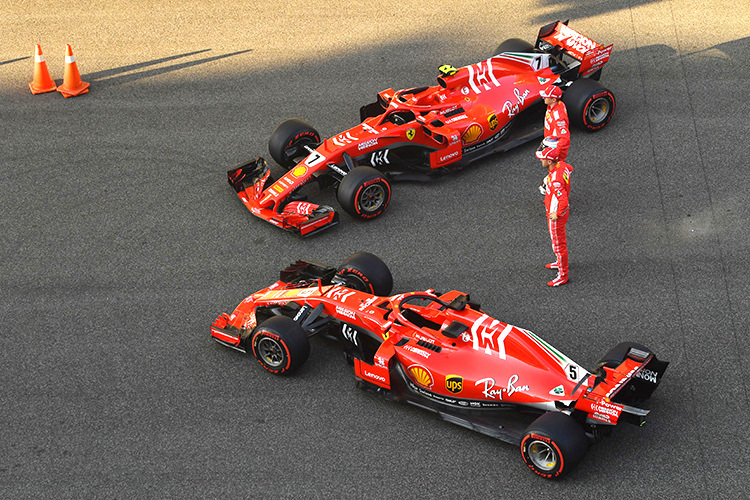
365,272
280,345
553,444
364,193
288,141
590,106
513,45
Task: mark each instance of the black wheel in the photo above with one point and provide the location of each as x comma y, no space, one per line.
553,444
590,105
364,193
365,272
288,141
513,45
280,345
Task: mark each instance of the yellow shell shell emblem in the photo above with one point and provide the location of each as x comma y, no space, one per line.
472,133
421,375
299,171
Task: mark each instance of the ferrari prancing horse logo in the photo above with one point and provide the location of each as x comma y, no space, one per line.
410,134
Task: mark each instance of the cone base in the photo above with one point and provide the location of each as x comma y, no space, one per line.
36,89
82,88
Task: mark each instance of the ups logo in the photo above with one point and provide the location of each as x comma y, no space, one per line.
454,383
493,122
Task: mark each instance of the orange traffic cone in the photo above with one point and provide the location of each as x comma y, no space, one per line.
72,84
42,82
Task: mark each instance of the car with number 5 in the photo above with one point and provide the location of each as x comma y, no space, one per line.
418,133
444,353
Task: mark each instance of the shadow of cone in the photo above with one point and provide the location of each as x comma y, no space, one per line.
42,82
72,84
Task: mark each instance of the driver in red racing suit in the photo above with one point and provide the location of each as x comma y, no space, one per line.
556,188
556,124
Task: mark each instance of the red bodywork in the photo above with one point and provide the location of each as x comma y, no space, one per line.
445,352
473,111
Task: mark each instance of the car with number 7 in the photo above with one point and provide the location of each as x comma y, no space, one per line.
419,133
444,353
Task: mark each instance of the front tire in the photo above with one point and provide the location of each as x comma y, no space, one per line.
590,106
280,345
365,272
288,141
364,193
553,444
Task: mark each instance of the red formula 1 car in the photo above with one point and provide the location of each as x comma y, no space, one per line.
442,352
413,134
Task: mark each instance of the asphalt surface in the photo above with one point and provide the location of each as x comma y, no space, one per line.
121,242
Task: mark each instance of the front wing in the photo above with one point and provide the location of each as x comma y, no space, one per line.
249,180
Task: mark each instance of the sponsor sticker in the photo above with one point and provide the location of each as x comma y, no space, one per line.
350,334
454,383
421,375
647,375
493,121
367,144
472,133
417,351
341,311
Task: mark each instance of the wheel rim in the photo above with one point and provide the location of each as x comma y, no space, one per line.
354,281
598,111
372,198
270,352
542,455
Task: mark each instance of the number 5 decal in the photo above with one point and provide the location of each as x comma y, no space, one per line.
574,372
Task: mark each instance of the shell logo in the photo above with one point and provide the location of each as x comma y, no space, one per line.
421,375
299,171
472,133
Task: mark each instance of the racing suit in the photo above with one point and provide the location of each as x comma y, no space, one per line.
556,191
556,126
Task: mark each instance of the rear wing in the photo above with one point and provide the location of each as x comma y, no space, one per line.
558,39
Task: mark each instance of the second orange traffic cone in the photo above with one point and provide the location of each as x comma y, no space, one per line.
72,84
42,82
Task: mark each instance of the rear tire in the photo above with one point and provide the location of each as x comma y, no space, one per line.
288,141
590,106
280,345
365,272
513,45
364,193
553,444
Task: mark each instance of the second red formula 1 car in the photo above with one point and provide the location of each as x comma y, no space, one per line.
414,134
442,352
